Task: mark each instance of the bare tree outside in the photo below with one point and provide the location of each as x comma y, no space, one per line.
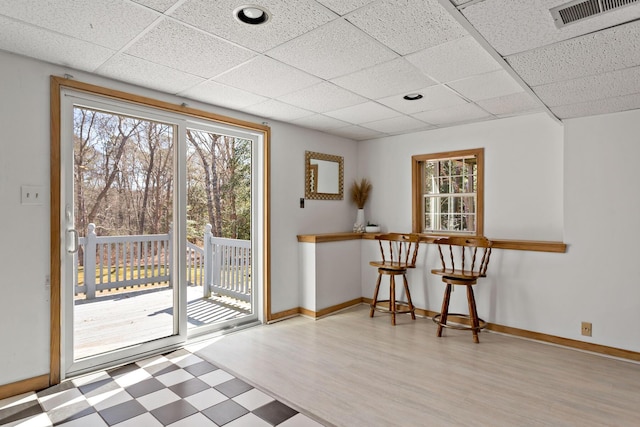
124,181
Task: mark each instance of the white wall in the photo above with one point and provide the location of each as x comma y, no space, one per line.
24,247
542,182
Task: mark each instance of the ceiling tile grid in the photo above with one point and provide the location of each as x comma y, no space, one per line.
225,96
507,105
184,48
608,50
274,109
342,7
458,114
267,77
454,60
362,113
424,24
485,86
332,50
601,106
591,88
434,97
320,122
390,78
149,74
289,19
24,39
343,66
109,24
357,132
323,97
397,124
159,5
512,26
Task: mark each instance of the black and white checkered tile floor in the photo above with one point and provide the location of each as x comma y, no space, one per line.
178,389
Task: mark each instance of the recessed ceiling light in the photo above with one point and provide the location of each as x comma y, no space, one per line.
251,14
412,97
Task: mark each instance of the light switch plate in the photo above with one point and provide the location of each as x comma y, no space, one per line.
32,195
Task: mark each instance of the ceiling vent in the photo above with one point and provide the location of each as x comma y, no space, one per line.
582,9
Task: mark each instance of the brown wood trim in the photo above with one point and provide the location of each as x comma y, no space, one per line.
537,336
329,237
338,307
155,103
518,245
285,314
56,84
417,185
267,226
530,245
567,342
316,314
24,386
54,239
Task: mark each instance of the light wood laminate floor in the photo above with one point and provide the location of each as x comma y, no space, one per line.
350,370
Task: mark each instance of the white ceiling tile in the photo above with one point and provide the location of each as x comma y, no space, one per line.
267,77
607,50
424,23
322,97
277,110
433,98
222,95
147,74
485,86
342,7
183,48
159,5
460,2
457,114
52,47
510,104
361,113
320,122
333,50
390,78
517,26
602,106
288,19
356,132
397,124
615,83
454,60
110,24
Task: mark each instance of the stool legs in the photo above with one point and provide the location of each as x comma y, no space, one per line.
375,296
473,314
394,307
444,312
406,290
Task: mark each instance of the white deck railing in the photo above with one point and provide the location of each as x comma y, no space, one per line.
222,267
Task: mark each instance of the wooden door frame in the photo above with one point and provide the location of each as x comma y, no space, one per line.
56,85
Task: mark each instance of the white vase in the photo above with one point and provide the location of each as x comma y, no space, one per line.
359,226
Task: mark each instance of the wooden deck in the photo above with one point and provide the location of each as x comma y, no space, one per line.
122,319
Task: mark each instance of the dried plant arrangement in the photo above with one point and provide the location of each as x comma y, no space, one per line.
360,192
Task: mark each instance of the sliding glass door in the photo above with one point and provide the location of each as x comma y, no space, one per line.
158,214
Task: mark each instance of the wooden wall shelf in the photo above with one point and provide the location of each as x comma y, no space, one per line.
518,245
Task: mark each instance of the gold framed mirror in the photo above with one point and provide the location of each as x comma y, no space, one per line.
324,176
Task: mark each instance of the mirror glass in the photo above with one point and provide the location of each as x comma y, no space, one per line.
324,176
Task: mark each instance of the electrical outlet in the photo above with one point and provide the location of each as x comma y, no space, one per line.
586,329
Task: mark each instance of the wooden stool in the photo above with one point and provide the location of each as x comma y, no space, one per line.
399,253
468,273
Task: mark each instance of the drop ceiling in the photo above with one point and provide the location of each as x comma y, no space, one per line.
343,66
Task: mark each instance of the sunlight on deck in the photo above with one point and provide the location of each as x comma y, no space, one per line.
123,319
